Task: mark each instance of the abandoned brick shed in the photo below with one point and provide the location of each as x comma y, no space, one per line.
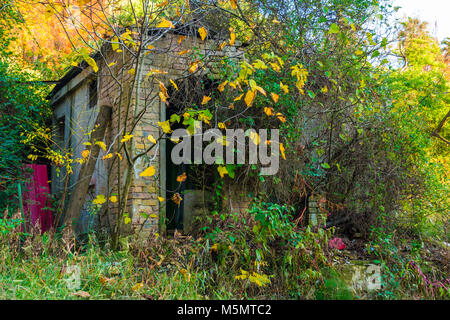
81,93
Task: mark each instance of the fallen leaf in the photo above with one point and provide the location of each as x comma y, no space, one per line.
82,294
137,286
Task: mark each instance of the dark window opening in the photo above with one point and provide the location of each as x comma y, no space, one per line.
92,94
61,128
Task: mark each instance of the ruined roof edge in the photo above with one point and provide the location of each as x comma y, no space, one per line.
74,71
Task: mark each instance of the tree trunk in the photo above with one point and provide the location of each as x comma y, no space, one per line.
79,192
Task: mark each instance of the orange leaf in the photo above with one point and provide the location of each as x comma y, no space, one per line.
281,117
182,177
232,37
268,111
205,100
274,97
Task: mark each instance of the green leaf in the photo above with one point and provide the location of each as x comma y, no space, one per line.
375,54
325,165
174,118
334,28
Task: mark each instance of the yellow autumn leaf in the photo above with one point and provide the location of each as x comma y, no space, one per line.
127,220
149,172
222,45
108,156
249,97
174,84
154,71
233,3
205,100
139,285
161,199
221,86
254,137
275,97
184,52
163,94
162,4
163,97
101,144
115,43
275,66
268,111
113,199
281,117
126,137
222,171
119,155
202,31
238,98
100,199
194,66
151,139
282,151
324,89
92,63
263,92
223,141
285,88
165,24
165,126
221,125
232,37
111,64
85,153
